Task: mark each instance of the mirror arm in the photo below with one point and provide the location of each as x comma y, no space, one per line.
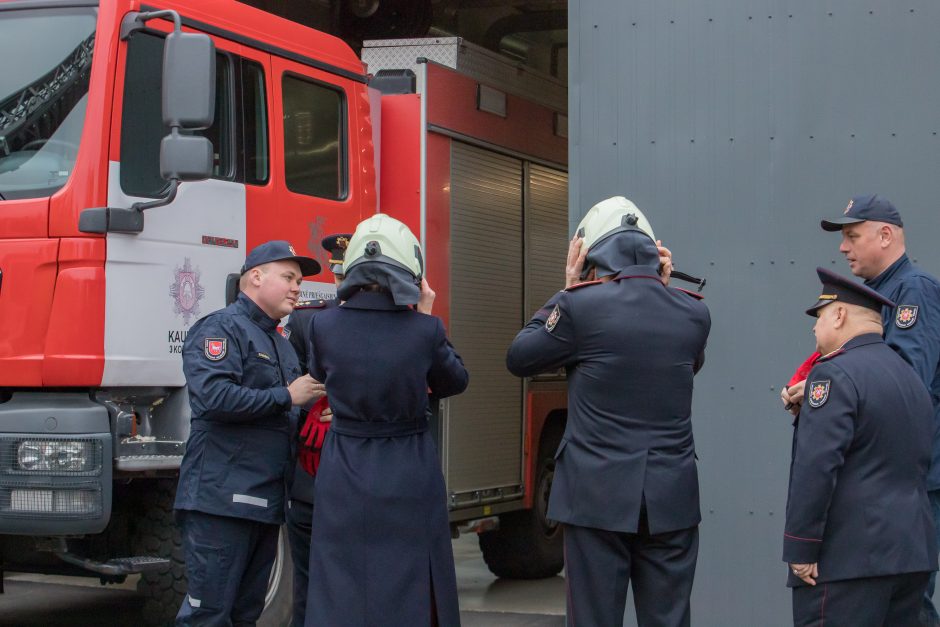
135,21
159,202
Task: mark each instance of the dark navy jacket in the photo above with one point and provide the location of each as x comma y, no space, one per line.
913,330
297,332
630,347
857,502
237,367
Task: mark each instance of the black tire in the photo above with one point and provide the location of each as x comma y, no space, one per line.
527,544
156,533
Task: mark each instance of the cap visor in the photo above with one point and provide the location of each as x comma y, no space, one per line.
308,266
814,310
836,224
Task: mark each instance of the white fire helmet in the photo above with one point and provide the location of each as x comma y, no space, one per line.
382,238
614,215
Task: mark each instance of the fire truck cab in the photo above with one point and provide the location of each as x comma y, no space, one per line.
143,151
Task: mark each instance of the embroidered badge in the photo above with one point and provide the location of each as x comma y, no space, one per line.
849,206
818,393
264,356
285,332
906,316
553,319
216,348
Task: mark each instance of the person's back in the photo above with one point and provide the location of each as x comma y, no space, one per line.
388,380
625,485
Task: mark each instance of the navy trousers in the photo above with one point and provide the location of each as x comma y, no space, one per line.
228,563
600,566
299,527
892,601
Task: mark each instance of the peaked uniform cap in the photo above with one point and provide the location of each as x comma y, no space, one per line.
336,246
838,289
613,215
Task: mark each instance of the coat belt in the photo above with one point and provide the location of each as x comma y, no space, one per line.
390,429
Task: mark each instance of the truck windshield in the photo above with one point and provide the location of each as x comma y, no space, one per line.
43,93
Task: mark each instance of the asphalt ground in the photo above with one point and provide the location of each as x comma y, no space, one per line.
485,601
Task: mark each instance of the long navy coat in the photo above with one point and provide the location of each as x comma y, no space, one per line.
858,503
631,347
383,538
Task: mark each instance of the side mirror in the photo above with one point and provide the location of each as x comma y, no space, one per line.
231,288
188,81
188,104
185,157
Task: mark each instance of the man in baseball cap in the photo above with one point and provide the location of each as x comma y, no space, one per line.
245,390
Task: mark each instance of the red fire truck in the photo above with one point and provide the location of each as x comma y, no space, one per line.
143,151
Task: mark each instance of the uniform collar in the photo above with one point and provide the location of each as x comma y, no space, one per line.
638,272
250,308
380,301
859,340
896,268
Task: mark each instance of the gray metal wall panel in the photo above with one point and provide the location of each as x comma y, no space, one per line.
484,423
735,125
546,234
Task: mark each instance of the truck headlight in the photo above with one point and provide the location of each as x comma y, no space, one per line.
56,456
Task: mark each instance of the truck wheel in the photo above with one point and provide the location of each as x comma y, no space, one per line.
527,544
157,534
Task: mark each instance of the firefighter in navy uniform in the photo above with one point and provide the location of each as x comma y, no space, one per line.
310,428
625,484
244,385
382,554
859,535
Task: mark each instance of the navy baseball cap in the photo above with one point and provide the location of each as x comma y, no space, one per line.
836,288
279,250
861,208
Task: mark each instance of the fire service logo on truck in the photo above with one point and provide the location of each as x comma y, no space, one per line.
186,292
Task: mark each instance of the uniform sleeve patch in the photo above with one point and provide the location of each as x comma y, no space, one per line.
906,316
216,348
818,393
553,319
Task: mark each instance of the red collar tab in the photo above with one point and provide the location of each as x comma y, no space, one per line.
829,356
692,294
579,285
310,304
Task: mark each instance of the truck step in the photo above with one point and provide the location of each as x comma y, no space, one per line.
137,564
117,566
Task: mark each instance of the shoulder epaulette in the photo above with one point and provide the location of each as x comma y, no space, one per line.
692,294
310,304
580,285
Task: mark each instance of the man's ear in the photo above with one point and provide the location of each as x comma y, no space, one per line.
841,316
886,234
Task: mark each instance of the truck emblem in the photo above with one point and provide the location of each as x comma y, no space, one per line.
186,292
